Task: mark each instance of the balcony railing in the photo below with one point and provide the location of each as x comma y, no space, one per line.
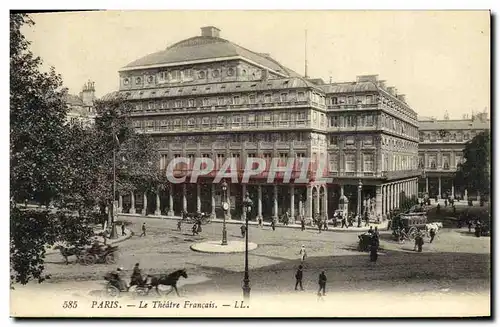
401,174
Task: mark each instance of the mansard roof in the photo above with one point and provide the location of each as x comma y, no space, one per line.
218,88
349,87
73,100
459,124
201,48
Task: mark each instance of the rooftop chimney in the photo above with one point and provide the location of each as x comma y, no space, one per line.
211,31
391,90
402,97
381,84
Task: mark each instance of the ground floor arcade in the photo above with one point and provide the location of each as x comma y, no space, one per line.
443,187
270,200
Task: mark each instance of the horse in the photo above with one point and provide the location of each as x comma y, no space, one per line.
67,252
167,280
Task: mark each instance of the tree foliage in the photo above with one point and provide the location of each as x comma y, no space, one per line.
475,172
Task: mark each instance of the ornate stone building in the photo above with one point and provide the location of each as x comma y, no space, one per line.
81,107
441,150
208,97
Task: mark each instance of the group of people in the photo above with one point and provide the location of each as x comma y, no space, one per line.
299,276
118,278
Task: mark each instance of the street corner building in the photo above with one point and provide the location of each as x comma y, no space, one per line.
209,97
440,151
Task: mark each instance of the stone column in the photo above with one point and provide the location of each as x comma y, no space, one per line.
292,204
243,211
398,190
213,200
184,199
259,202
452,189
325,201
170,211
309,204
378,201
145,203
465,195
384,199
427,185
132,203
341,190
317,199
439,187
120,204
158,204
275,202
198,198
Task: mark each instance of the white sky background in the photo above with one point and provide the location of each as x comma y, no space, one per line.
439,59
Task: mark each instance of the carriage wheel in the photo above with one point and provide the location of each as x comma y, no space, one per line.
412,233
89,259
112,291
141,290
110,258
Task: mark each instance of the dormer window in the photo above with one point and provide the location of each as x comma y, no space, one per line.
126,81
150,79
201,74
216,73
230,72
138,80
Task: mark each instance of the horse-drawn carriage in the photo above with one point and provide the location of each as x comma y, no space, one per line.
142,286
97,253
409,224
202,218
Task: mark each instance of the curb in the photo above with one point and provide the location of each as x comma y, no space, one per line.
381,227
194,247
110,242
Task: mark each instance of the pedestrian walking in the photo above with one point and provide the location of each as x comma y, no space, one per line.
123,229
370,231
273,224
298,278
376,232
194,229
260,222
344,222
469,223
143,230
445,203
319,223
243,230
179,225
438,209
367,219
419,242
303,253
432,234
322,284
325,225
302,224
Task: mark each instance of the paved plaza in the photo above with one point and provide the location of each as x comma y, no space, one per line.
456,261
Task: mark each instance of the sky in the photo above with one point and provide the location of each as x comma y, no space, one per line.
439,59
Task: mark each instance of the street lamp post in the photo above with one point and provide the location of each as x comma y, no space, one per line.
360,187
246,280
225,208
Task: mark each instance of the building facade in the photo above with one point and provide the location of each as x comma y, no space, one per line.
208,97
441,151
81,107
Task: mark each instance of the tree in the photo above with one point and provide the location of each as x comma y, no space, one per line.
39,150
115,141
475,172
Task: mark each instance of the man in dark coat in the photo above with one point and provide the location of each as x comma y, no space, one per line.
243,230
273,224
123,229
143,230
303,224
298,278
432,234
322,283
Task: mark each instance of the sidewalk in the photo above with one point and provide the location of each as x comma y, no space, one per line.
381,226
119,239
